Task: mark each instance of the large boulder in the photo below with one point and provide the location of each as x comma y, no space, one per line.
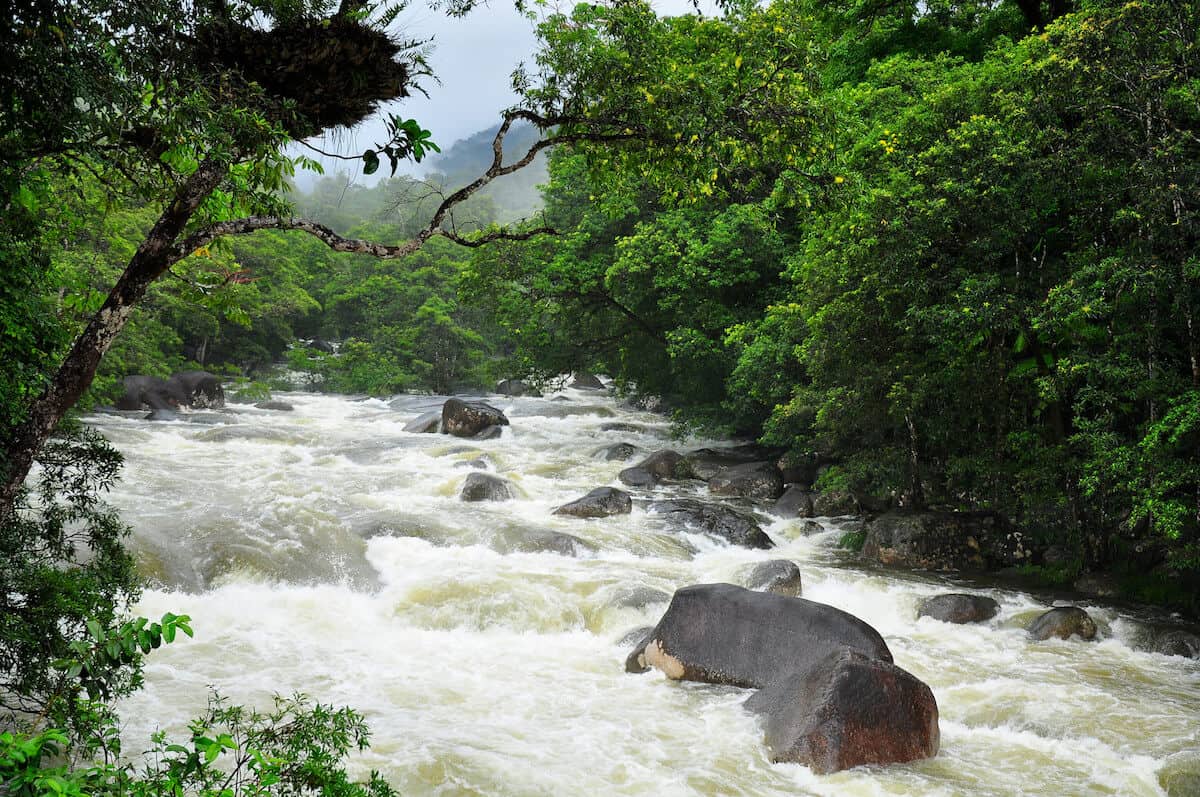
485,487
835,503
199,389
780,576
944,541
796,502
750,480
705,463
1063,622
714,520
723,634
959,608
426,423
516,387
543,541
845,710
601,502
470,418
149,392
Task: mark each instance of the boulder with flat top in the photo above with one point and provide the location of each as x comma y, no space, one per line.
470,418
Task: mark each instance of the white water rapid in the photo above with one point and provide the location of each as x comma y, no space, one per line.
326,551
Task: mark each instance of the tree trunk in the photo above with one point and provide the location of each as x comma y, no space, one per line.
75,375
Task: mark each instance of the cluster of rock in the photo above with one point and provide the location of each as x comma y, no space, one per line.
828,692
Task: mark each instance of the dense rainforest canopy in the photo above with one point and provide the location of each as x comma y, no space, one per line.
950,249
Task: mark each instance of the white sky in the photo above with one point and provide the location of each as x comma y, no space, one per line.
473,57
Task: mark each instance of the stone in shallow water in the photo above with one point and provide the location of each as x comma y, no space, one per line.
751,480
485,487
1063,623
780,576
601,502
470,418
714,520
959,608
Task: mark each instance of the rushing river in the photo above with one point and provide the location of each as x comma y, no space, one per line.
326,551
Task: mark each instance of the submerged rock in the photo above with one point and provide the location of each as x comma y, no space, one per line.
601,502
426,423
516,387
544,541
666,464
723,634
780,576
706,463
278,406
637,477
847,710
586,381
485,487
1178,643
959,608
1063,623
470,418
618,451
714,520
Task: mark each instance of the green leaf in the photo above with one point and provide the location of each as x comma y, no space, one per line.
370,162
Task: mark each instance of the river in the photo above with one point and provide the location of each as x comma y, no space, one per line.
326,551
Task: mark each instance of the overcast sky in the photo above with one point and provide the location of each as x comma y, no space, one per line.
473,57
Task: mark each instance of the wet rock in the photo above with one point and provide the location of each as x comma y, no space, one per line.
834,503
635,662
477,464
490,433
618,451
485,487
470,418
547,410
149,392
624,426
601,502
1063,623
847,710
799,469
426,423
666,464
779,576
585,381
163,415
638,634
544,541
278,406
959,608
810,527
637,477
944,541
795,502
231,433
1178,643
714,520
516,387
751,480
723,634
1180,775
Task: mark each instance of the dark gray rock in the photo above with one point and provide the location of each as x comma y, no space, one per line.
601,502
624,426
723,634
751,480
516,387
485,487
944,541
278,406
638,597
637,477
585,381
618,451
426,423
150,392
477,464
705,463
635,662
636,635
548,410
1063,622
847,710
959,608
1056,556
666,464
714,520
779,576
795,502
1178,643
163,415
470,418
810,527
1100,585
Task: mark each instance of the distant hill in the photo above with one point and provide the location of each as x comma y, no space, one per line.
515,196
